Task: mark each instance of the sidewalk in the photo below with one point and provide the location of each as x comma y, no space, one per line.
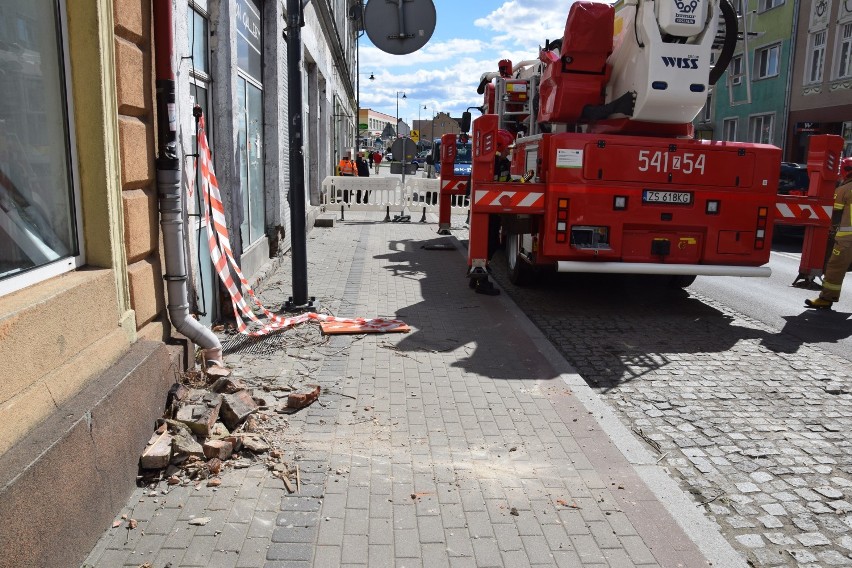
467,442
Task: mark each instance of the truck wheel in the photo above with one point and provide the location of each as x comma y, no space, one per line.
520,271
681,281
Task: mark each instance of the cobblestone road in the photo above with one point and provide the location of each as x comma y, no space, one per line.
753,423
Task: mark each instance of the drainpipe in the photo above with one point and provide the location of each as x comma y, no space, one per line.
169,191
788,96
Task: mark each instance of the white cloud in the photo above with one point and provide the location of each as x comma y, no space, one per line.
526,23
445,74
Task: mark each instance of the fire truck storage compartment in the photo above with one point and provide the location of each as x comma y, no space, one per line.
735,242
644,245
650,162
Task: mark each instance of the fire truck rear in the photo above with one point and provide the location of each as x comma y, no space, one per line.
605,173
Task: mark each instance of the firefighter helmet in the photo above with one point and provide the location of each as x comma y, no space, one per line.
504,140
846,168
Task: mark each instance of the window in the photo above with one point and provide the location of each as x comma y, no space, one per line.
250,117
760,128
38,206
769,4
736,70
816,57
844,51
708,109
729,127
766,61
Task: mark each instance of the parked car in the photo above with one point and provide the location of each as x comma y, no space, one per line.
420,159
794,179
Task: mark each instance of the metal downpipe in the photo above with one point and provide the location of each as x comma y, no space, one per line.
171,222
169,192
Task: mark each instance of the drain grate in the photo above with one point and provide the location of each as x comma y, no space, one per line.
263,345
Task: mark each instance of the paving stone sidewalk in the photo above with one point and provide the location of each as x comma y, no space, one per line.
461,443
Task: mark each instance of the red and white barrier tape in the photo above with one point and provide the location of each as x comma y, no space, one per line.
222,257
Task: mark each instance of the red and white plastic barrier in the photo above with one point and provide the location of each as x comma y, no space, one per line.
223,257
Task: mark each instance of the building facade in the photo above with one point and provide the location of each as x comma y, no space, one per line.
378,127
750,101
84,332
821,87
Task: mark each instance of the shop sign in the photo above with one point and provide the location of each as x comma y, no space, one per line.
249,37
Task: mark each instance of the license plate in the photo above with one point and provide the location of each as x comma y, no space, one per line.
672,197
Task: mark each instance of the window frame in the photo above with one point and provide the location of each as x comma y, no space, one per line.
813,50
841,42
766,5
752,120
61,266
735,121
758,62
736,69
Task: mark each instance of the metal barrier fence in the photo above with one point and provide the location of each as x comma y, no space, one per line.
387,194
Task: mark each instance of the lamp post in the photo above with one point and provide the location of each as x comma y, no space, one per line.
431,126
396,126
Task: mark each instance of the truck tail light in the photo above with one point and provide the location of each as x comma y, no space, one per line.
760,232
562,220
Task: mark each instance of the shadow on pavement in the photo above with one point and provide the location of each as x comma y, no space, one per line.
612,328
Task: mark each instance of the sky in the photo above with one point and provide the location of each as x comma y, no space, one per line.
470,37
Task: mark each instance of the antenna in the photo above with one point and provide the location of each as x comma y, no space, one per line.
399,27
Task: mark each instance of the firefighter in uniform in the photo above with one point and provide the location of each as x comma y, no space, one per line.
841,253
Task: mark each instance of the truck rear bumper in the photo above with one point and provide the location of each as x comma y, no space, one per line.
656,268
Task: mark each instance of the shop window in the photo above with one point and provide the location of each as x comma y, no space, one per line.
816,57
766,61
250,119
760,128
39,231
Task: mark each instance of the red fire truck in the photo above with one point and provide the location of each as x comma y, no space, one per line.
605,173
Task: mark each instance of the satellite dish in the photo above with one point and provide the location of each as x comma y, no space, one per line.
399,27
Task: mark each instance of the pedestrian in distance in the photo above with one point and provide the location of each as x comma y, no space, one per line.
377,160
363,171
841,252
361,167
346,167
370,159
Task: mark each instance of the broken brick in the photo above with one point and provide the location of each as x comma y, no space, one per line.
236,408
227,385
200,418
158,452
217,449
301,399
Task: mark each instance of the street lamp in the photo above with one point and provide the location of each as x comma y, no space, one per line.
431,126
396,126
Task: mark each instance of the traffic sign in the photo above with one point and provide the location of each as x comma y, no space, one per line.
415,135
399,27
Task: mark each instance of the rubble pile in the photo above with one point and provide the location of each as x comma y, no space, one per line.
213,421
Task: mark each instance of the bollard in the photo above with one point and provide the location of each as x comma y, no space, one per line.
423,218
341,212
387,214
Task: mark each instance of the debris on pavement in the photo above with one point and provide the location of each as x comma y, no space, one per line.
300,399
213,422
